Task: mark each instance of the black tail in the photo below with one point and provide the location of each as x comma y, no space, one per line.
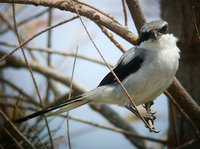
71,104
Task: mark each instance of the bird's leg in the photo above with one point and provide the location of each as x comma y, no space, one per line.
132,109
150,116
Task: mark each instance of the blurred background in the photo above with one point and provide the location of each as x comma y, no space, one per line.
56,49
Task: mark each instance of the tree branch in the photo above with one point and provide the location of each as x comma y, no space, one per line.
7,125
136,13
83,10
185,101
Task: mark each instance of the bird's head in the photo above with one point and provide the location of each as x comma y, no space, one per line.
153,30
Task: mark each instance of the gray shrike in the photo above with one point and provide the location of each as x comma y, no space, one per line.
146,71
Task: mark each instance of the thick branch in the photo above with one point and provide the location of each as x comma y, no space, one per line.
83,11
185,101
136,13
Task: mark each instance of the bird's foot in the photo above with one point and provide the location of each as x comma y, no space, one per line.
150,116
133,110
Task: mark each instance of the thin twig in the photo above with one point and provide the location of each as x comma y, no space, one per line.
84,11
55,51
20,98
116,129
34,36
49,37
125,13
70,92
20,91
111,37
31,73
16,131
25,20
6,21
195,21
37,67
20,107
12,137
186,144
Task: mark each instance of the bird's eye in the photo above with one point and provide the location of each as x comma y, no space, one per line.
144,36
164,29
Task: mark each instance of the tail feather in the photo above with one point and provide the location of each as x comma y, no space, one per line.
66,105
69,107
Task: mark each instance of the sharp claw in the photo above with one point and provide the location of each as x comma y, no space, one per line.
156,131
153,113
149,117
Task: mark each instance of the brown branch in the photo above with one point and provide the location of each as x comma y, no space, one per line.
25,21
46,71
125,13
24,100
20,91
184,114
136,13
8,125
34,36
98,10
56,52
83,10
20,107
10,27
116,129
111,37
185,101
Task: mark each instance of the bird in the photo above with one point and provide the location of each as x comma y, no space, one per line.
146,71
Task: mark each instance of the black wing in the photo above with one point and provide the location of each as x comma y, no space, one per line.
130,63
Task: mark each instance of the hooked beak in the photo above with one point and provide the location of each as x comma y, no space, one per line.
155,34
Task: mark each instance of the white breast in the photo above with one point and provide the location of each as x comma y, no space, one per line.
157,73
159,69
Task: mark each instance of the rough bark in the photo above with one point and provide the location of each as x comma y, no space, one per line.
182,15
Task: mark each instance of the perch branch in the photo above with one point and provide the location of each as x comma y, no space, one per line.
83,11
